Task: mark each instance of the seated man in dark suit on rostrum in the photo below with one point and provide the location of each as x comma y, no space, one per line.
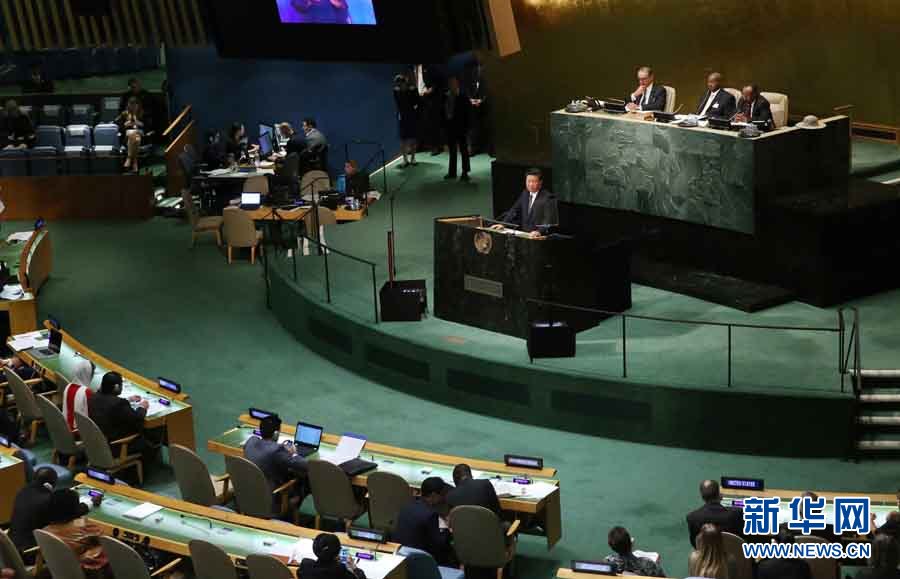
728,520
470,491
419,522
648,96
535,210
115,416
753,107
716,101
278,462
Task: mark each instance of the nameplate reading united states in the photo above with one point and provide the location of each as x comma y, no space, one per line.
486,287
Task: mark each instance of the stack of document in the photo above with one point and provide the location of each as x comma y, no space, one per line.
142,511
36,339
535,490
348,448
19,236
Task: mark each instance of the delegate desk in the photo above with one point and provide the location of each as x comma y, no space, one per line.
12,479
179,522
175,414
696,174
486,278
266,213
30,262
565,573
415,466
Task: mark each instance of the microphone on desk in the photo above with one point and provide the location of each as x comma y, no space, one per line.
184,521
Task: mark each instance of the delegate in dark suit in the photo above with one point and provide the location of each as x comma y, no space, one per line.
418,527
312,569
653,99
758,109
31,510
115,417
478,492
543,211
722,105
784,569
274,460
457,113
728,520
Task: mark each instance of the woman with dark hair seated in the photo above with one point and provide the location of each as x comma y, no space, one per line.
327,565
68,523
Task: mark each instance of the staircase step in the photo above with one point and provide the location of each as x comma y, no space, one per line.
880,398
877,373
878,378
879,419
879,442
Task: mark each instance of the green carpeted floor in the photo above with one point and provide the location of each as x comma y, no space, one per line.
136,293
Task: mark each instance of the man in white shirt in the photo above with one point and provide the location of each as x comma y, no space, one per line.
716,101
647,96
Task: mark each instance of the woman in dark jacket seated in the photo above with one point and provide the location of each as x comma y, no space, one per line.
327,548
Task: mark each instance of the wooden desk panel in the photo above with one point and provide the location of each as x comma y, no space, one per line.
12,480
78,197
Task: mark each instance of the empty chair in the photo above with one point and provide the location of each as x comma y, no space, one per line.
736,93
421,565
99,454
252,493
26,404
109,109
60,559
11,558
240,232
81,114
670,99
267,567
332,493
106,149
194,481
479,540
388,493
820,568
732,545
257,184
314,182
778,103
78,146
49,136
210,224
125,561
64,443
53,115
210,561
13,163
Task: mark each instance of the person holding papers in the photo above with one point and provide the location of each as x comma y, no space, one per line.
68,524
469,491
626,559
419,522
328,565
648,96
535,210
753,107
716,102
279,462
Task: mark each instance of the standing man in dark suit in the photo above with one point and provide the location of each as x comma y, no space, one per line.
753,107
728,520
716,102
469,491
648,96
457,112
279,462
419,522
430,86
115,416
535,209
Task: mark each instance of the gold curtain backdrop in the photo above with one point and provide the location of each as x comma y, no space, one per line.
821,53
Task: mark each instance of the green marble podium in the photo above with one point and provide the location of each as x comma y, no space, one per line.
699,175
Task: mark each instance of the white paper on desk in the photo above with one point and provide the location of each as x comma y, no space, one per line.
142,511
19,236
20,344
302,550
348,448
652,555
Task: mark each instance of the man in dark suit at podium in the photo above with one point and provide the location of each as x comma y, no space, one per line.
535,210
716,102
648,96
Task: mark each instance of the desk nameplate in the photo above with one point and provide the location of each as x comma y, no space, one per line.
480,285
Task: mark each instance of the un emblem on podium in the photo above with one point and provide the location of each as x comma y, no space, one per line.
483,242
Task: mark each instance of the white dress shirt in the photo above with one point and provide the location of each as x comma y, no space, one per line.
531,198
709,102
420,80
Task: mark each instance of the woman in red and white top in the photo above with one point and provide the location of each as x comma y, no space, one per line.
78,392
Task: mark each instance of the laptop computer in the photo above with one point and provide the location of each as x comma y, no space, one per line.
307,438
52,348
251,201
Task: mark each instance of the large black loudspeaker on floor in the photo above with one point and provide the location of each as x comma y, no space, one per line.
550,340
403,301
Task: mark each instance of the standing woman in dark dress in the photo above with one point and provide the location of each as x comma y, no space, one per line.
407,98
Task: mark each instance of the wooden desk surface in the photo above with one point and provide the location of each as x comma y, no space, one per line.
566,573
177,417
879,498
265,213
12,480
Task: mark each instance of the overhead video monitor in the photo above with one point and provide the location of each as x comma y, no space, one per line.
352,12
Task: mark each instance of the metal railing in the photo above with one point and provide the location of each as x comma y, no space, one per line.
848,346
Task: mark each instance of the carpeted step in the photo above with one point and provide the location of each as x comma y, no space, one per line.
878,378
879,418
879,442
880,398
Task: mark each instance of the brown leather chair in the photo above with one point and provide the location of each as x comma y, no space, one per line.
241,232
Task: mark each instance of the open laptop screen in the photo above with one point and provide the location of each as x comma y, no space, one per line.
308,434
251,198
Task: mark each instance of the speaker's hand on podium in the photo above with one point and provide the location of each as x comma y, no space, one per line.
497,227
535,234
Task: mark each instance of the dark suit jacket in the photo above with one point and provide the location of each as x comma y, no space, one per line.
276,462
31,510
114,416
723,105
762,110
784,569
475,492
312,569
657,100
458,124
543,212
358,185
872,573
417,526
729,520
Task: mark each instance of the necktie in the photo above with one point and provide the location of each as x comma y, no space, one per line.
531,199
646,98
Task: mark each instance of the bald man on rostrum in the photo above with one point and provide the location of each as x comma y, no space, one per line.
716,102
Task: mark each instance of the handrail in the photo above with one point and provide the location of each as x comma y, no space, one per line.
185,111
177,139
337,251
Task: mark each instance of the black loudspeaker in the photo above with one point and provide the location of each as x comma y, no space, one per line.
91,7
551,340
403,301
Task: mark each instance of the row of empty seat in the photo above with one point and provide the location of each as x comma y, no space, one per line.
72,63
75,114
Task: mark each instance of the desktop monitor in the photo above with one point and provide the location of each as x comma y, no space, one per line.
265,145
266,129
340,184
